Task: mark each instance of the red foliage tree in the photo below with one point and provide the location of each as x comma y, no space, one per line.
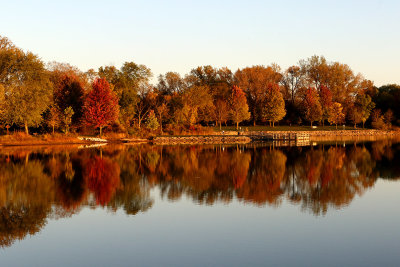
101,106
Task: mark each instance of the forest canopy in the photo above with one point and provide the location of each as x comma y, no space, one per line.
60,97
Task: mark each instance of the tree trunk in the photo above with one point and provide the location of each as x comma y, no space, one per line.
311,124
161,124
273,124
53,129
220,126
26,128
100,131
336,125
363,124
237,125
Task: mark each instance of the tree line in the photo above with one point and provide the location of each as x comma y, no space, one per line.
60,97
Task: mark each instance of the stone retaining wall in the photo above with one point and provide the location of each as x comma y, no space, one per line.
345,135
328,133
233,137
202,139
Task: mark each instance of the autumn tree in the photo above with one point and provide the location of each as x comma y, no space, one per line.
101,105
69,92
316,69
128,83
161,107
378,120
53,117
336,114
26,83
354,115
238,106
292,81
312,106
221,111
254,81
338,78
364,106
3,107
387,97
194,103
325,97
170,83
142,104
274,105
67,118
389,117
152,122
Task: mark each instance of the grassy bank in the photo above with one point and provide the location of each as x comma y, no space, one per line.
18,139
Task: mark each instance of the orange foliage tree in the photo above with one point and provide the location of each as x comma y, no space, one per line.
239,107
312,105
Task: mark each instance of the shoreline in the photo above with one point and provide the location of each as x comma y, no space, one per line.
229,137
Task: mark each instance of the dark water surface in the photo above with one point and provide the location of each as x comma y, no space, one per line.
245,205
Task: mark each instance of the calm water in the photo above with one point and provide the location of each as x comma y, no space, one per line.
251,205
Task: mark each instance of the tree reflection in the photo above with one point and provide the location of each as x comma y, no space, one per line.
264,183
26,193
102,176
16,221
70,182
39,184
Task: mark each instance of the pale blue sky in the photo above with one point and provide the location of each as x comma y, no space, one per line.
180,35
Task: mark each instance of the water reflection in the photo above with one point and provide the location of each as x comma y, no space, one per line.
37,184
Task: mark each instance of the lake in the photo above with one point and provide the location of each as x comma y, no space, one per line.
331,204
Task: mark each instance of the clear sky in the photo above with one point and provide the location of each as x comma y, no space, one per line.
180,35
